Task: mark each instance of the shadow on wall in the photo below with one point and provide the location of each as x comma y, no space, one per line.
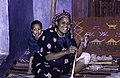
20,16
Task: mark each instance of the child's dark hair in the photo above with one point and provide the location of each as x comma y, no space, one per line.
36,22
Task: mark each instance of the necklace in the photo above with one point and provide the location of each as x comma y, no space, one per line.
59,34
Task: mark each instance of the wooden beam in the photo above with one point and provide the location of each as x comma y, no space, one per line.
53,11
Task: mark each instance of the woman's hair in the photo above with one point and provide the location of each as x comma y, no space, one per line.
59,16
36,22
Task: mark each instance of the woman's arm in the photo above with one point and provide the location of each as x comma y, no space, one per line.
53,56
80,49
83,44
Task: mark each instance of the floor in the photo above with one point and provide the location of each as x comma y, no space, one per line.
3,57
19,76
31,76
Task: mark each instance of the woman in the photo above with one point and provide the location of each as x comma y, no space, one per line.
57,50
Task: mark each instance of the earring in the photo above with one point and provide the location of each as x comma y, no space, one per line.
56,23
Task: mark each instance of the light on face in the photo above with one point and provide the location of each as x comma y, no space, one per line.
64,25
36,29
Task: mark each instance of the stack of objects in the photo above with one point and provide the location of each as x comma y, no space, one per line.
21,65
101,66
19,70
114,75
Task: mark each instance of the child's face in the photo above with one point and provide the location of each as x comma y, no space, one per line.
36,30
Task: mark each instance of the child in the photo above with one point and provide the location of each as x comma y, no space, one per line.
36,32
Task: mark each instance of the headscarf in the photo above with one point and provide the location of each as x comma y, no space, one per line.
59,16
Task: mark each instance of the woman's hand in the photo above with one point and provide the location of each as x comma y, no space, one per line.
84,40
72,49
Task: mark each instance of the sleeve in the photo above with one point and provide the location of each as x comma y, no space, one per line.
46,43
72,40
29,44
33,46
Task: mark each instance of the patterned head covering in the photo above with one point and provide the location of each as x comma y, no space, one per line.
67,37
59,16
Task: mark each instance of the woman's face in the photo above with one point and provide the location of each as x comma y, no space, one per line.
64,25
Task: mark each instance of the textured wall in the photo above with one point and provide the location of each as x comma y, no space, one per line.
21,14
41,9
4,27
80,9
64,5
20,17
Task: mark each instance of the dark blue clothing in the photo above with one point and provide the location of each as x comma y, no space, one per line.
50,42
33,45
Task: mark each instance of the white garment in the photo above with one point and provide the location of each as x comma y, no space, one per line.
84,58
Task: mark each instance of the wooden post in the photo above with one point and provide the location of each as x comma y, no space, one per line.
53,11
73,68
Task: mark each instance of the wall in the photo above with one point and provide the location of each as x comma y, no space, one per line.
20,17
79,9
64,5
41,9
4,28
21,14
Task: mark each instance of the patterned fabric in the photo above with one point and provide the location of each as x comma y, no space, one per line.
49,42
59,16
